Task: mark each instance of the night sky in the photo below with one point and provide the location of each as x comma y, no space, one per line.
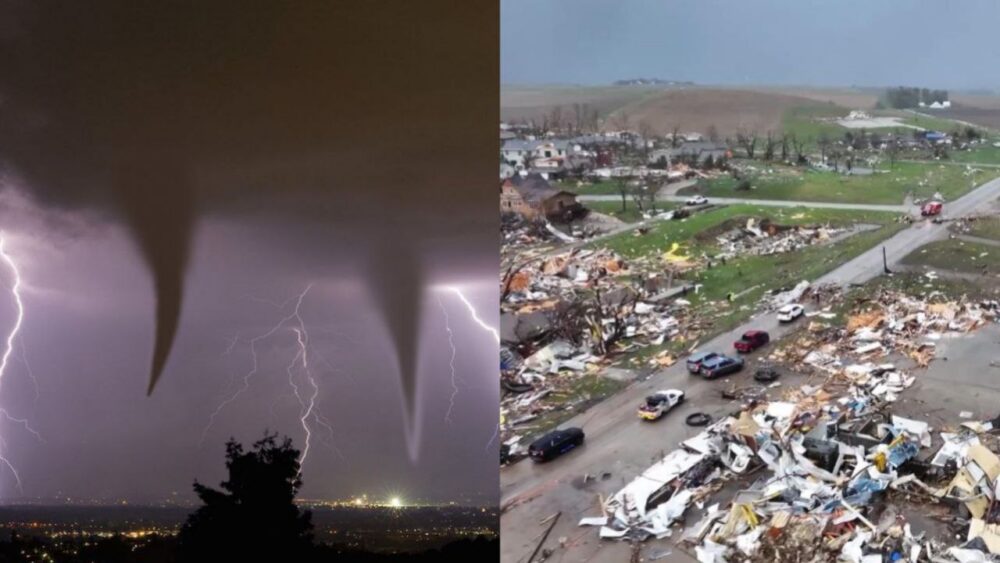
174,177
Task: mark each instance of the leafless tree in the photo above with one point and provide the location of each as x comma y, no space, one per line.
578,116
799,149
713,134
747,140
784,147
623,190
823,141
769,145
675,137
646,134
892,151
556,118
620,120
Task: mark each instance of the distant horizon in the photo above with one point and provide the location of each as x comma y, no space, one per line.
777,42
969,91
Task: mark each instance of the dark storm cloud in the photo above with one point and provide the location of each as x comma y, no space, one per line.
159,113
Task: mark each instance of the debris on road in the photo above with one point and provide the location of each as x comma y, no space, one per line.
843,476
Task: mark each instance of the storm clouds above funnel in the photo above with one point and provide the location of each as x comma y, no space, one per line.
158,115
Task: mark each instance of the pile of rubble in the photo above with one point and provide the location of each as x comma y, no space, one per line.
765,238
828,469
563,315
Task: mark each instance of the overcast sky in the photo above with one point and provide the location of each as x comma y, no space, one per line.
936,43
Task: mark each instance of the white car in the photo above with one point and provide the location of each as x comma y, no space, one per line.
697,200
790,312
660,403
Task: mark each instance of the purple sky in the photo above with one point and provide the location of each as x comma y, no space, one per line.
87,334
188,163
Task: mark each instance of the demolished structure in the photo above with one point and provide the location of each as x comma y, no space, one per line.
826,470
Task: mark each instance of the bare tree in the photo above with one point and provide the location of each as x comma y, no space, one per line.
799,148
556,118
784,147
623,190
578,116
675,137
644,196
823,141
892,151
620,120
747,140
769,145
646,134
713,134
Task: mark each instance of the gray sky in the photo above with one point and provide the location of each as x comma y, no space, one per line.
940,43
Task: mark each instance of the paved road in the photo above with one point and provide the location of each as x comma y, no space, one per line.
622,446
903,208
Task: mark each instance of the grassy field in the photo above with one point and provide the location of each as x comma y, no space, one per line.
889,186
631,213
803,122
749,277
956,255
986,228
981,155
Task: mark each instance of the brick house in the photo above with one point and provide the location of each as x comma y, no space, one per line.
534,198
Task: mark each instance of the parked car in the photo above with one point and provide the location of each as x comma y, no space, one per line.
697,200
751,340
790,312
555,443
720,365
931,208
660,403
694,362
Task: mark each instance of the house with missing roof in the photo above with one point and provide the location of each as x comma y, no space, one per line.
534,198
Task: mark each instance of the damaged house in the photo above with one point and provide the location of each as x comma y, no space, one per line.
533,198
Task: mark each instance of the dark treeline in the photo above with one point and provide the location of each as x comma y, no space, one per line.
904,97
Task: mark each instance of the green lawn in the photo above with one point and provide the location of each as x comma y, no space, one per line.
886,186
956,255
931,122
748,277
987,154
986,228
631,213
803,122
663,234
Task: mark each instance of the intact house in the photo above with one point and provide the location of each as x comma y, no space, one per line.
534,198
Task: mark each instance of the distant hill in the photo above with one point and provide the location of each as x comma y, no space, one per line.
651,82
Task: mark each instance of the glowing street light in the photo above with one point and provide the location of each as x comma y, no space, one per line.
395,502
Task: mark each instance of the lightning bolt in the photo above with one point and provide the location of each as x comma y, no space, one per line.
299,364
451,363
496,336
15,291
475,315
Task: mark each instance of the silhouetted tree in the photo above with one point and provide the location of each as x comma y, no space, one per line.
253,517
